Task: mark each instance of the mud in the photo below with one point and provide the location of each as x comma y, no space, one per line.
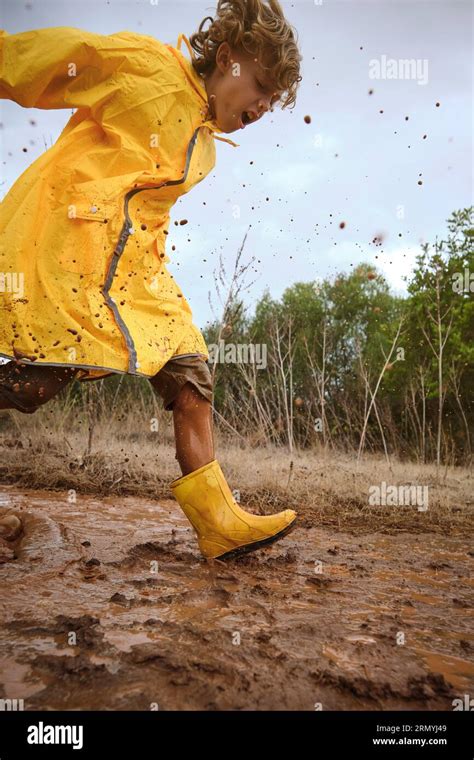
107,604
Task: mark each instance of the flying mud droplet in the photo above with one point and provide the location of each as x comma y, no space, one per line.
378,238
307,119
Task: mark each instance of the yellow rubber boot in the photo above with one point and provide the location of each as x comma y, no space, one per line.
222,527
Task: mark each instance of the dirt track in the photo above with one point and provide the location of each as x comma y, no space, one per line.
157,626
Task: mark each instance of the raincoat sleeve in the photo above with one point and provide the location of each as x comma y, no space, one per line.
63,67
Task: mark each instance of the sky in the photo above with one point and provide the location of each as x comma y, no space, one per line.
290,184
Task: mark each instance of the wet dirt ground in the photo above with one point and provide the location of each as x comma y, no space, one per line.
107,604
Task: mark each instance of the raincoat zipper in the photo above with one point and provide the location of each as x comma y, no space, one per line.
127,226
125,232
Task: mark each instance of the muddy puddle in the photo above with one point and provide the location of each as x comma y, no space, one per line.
107,604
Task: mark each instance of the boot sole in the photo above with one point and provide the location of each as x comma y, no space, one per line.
257,544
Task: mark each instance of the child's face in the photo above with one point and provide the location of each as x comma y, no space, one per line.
239,90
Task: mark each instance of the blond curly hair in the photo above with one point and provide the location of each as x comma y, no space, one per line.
260,29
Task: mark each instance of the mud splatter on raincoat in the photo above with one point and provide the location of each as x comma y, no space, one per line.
84,227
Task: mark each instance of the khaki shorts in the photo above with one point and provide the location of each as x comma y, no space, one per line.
180,370
26,387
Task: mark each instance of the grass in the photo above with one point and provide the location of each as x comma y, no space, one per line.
128,449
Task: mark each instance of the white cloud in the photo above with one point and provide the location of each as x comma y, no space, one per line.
398,263
393,263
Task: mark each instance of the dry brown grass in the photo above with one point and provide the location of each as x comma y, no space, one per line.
62,447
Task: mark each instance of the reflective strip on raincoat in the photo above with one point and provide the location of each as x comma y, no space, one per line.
83,277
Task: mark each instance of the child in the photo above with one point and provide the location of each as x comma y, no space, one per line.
82,255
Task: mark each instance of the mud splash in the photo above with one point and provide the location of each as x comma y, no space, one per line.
107,604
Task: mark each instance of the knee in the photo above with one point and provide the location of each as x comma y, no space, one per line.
29,388
22,401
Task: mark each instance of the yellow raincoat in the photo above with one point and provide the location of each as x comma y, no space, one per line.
83,277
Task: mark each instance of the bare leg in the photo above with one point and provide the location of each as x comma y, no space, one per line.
192,418
25,387
222,527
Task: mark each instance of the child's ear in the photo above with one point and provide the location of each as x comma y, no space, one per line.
224,56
